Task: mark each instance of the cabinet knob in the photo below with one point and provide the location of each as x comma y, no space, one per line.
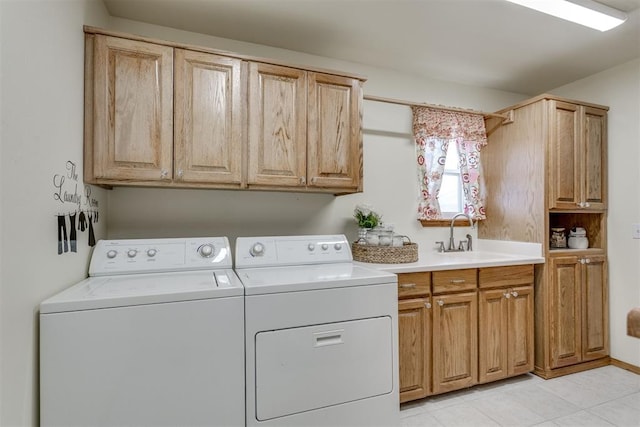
586,204
180,173
587,260
440,302
427,305
303,180
507,295
164,174
515,294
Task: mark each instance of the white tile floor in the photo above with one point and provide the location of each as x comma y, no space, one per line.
607,396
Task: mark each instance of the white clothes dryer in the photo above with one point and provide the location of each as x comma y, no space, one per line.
321,334
154,337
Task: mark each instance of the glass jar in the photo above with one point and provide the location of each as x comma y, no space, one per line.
385,235
558,238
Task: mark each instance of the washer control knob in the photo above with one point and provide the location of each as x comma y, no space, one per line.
311,247
206,250
325,246
257,249
111,254
151,253
338,246
131,253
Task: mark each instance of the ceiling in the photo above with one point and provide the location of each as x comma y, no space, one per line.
488,43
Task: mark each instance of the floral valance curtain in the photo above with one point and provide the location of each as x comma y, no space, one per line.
434,130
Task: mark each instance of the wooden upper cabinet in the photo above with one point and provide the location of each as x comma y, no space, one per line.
208,118
164,114
577,156
277,126
334,153
131,101
595,158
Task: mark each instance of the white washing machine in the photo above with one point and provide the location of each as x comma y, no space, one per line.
154,337
321,334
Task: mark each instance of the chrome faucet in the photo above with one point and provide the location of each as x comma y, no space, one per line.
452,243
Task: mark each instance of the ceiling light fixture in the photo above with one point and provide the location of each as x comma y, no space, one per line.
584,12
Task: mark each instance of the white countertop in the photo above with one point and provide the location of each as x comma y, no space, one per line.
490,253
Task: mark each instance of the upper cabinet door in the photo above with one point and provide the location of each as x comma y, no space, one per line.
594,182
208,118
277,126
564,156
335,132
577,157
132,110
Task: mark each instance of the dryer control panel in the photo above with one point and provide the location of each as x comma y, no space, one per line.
130,256
269,251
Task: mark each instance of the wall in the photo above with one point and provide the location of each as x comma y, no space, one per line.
390,183
41,100
619,88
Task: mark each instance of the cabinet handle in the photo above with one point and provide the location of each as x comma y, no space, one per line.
457,281
427,305
515,294
408,285
507,295
440,302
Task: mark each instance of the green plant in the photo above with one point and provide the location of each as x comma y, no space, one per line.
366,216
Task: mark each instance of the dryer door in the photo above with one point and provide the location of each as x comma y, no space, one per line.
311,367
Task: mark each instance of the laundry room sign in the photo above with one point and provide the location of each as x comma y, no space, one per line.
76,212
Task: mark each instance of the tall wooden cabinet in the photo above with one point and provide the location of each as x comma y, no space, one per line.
163,114
546,168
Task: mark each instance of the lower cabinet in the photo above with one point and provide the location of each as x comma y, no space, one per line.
459,328
505,328
579,319
455,341
414,323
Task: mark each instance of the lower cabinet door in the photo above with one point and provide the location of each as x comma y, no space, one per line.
414,325
520,331
493,329
455,341
595,313
566,311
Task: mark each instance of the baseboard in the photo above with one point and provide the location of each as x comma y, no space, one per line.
624,365
571,369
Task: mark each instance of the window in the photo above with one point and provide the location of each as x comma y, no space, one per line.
451,194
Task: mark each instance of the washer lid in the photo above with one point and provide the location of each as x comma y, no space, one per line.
269,280
138,289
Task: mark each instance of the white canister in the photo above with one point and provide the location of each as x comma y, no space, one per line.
578,238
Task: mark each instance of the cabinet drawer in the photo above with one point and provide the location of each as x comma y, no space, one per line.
414,284
454,280
496,277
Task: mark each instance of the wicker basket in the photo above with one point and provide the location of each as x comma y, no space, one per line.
408,252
